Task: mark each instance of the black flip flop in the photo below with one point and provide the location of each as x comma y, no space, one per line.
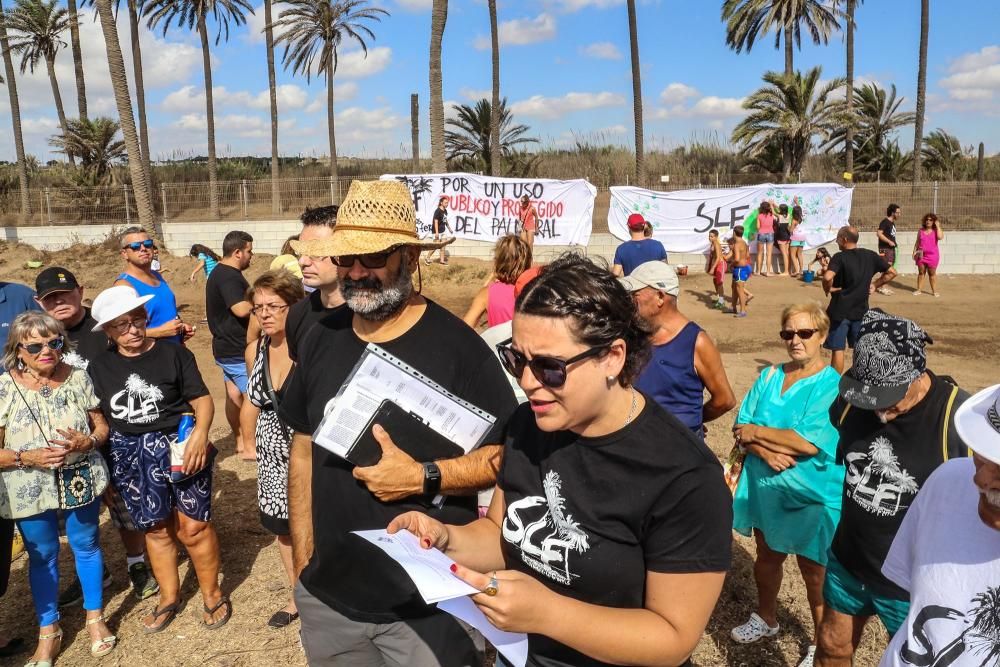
224,600
170,611
283,619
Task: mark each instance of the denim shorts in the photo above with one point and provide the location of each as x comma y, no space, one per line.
234,369
844,592
765,238
842,333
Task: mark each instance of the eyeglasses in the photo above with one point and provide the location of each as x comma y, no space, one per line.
804,334
53,344
135,245
550,371
268,309
137,323
375,260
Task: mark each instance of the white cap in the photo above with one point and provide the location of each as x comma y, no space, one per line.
978,423
656,274
115,302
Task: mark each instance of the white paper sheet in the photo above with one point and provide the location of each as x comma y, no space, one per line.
429,569
512,645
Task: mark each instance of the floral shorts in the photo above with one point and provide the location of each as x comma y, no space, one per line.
140,471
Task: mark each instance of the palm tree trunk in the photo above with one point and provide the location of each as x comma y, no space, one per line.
849,137
918,126
50,65
789,50
495,102
140,90
213,173
415,132
273,88
439,17
74,38
331,129
15,116
633,34
119,81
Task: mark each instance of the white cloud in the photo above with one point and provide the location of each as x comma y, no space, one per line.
354,64
988,55
613,129
192,98
677,93
708,107
974,76
342,93
43,126
521,31
602,50
474,95
577,5
555,107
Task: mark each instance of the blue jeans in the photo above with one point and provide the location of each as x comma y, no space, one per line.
41,540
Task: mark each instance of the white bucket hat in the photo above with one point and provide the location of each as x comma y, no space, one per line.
114,302
978,423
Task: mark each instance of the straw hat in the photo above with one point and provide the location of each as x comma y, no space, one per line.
375,216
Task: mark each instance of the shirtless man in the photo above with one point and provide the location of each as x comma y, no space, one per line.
739,259
717,269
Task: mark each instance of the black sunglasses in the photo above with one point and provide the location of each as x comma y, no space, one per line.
550,371
804,334
54,344
375,260
135,245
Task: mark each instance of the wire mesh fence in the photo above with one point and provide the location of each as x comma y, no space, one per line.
962,206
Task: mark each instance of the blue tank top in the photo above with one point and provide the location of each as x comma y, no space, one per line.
209,263
162,308
670,378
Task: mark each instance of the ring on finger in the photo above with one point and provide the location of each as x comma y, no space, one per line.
493,587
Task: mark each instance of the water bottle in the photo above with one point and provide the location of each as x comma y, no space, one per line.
184,430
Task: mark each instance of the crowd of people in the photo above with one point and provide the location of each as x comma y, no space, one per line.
594,517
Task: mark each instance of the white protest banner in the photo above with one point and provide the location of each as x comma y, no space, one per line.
484,208
682,219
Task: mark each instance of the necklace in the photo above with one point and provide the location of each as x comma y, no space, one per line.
45,390
631,410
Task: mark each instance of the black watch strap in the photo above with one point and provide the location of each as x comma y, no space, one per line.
432,479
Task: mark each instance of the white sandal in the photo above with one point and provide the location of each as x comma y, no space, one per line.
102,646
753,630
809,658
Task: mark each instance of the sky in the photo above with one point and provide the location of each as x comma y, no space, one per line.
564,70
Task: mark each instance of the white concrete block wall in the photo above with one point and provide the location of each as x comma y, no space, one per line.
268,235
53,237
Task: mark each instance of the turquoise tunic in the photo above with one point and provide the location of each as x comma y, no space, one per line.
798,509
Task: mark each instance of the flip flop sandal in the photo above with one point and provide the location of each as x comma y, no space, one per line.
170,611
224,600
282,619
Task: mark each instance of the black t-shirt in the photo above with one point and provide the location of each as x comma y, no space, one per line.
440,220
89,344
855,269
589,516
887,227
346,572
302,316
886,466
149,392
225,288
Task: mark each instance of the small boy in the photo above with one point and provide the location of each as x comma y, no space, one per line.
739,257
717,269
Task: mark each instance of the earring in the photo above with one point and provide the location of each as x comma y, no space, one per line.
611,380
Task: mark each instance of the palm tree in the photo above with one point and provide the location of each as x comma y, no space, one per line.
942,154
39,26
74,39
918,127
141,185
849,39
790,110
313,31
15,117
97,145
875,119
633,38
985,628
273,92
746,20
193,15
471,143
439,17
495,103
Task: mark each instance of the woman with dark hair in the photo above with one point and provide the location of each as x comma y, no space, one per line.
765,238
607,540
511,258
798,241
207,259
782,236
927,253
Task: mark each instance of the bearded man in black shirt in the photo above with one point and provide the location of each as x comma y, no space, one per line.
897,425
356,605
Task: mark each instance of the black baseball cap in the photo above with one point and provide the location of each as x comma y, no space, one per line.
54,279
889,355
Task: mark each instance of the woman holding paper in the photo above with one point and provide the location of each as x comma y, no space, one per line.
593,574
145,387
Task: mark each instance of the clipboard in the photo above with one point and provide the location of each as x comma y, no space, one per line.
408,431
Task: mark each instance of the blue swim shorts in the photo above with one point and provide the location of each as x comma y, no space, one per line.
842,333
234,369
844,592
741,274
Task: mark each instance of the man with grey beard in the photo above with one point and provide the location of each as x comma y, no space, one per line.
356,605
947,553
897,426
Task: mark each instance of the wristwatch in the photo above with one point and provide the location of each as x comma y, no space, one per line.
432,479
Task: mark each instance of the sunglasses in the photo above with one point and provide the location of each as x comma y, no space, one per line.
375,260
53,344
804,334
549,371
135,245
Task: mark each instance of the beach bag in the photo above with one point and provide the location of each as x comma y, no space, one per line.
76,485
733,467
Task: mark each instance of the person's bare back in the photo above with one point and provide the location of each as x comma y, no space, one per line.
741,252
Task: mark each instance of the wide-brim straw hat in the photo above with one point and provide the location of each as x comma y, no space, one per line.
374,216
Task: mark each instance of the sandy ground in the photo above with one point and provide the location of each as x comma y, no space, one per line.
961,322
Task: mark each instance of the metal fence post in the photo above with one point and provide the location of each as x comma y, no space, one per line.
128,209
48,205
163,199
41,207
333,198
243,194
934,207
